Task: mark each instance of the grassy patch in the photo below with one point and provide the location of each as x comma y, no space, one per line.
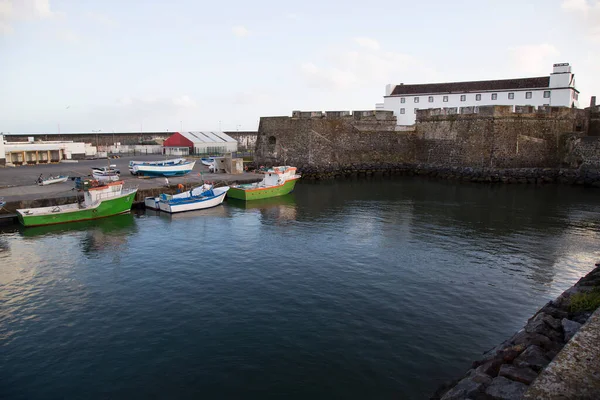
585,301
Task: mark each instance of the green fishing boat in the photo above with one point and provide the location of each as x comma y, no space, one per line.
278,181
99,201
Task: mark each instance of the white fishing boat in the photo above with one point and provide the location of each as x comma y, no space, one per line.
198,198
52,180
110,168
208,161
106,174
2,202
175,167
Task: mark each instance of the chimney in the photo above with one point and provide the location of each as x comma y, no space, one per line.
593,102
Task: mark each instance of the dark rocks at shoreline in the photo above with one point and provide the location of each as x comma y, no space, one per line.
506,371
537,176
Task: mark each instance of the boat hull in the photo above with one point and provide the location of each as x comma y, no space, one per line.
162,170
196,205
106,208
53,181
262,193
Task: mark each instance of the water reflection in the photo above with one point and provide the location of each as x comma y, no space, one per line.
116,224
279,209
521,227
214,212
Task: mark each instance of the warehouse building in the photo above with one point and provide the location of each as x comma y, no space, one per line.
199,143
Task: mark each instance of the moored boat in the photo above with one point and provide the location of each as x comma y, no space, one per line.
106,174
208,161
179,166
198,198
99,201
277,181
51,180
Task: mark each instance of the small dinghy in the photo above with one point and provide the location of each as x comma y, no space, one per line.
51,180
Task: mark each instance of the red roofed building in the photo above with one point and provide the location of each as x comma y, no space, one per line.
200,143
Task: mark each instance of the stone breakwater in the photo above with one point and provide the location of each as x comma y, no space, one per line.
567,176
507,371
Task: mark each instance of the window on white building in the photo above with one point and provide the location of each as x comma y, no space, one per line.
402,111
511,96
416,99
431,99
527,95
463,97
416,109
445,99
478,97
494,96
402,100
546,94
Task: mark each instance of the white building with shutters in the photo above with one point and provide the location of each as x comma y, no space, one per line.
557,89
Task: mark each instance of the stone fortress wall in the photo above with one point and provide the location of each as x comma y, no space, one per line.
470,139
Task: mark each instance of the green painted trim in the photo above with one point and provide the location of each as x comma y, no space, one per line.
255,194
107,208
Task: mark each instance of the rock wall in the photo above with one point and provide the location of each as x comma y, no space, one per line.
495,136
475,144
246,139
332,141
581,151
506,371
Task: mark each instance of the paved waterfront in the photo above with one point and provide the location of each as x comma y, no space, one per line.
18,183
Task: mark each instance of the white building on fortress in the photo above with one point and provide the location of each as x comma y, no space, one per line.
558,89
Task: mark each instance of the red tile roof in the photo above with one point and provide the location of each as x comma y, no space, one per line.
473,86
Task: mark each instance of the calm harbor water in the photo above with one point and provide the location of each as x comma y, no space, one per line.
374,288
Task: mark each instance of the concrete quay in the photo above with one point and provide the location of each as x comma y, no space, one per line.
555,356
19,190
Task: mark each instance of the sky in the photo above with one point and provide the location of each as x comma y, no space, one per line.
150,65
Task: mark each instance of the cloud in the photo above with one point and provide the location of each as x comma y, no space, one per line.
368,43
292,16
252,97
533,59
587,16
184,101
67,35
367,66
24,10
154,112
578,5
100,18
240,31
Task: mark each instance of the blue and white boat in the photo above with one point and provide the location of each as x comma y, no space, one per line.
207,161
198,198
174,167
